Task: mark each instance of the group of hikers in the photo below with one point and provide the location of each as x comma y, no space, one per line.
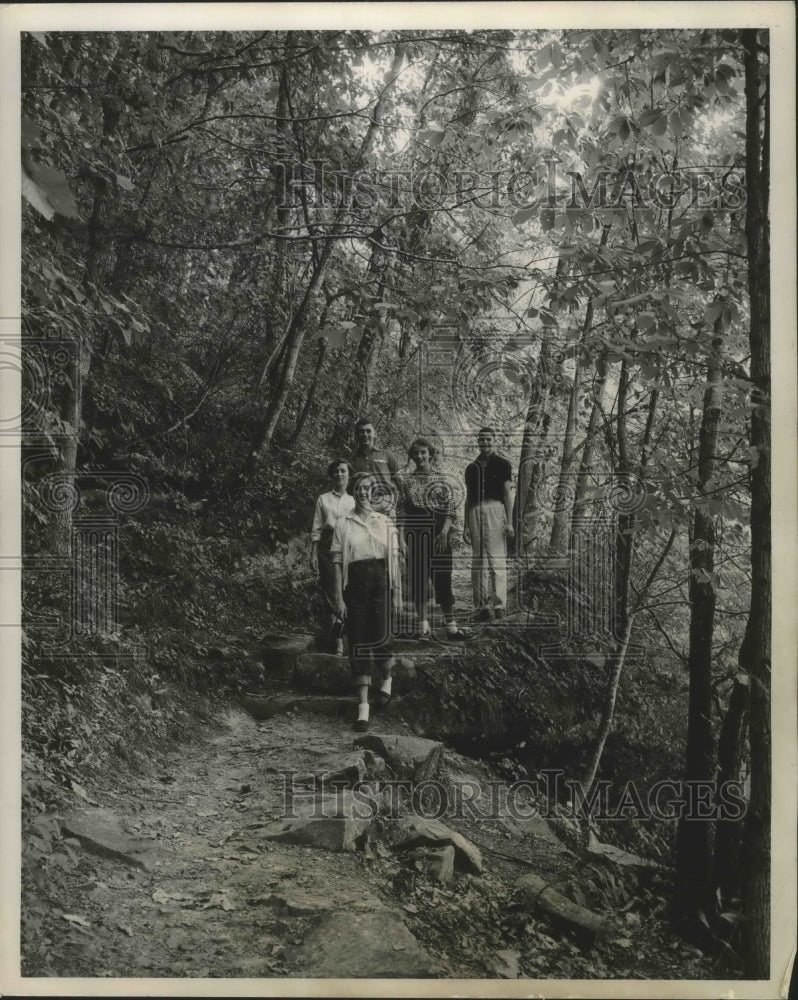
378,525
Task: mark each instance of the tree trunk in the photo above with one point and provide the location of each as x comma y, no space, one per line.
727,864
591,437
694,837
755,650
311,391
617,659
531,444
281,367
101,261
558,542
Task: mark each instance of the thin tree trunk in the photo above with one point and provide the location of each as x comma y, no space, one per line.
533,438
755,650
694,837
311,391
281,370
618,658
591,437
101,259
558,542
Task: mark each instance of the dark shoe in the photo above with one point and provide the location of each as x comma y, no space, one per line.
361,726
382,697
499,613
458,636
422,636
483,615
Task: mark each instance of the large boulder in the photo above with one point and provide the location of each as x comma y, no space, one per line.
437,863
100,832
347,770
409,757
331,822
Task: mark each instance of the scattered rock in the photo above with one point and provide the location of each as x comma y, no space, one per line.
349,769
363,945
436,863
505,963
330,822
100,832
410,832
408,756
299,901
615,854
534,827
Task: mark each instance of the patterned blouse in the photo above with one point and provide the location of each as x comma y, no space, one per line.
428,498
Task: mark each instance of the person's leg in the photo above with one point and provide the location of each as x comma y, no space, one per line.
355,598
327,581
495,544
378,633
444,597
418,556
479,568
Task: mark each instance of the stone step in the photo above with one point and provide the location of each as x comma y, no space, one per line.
332,674
263,707
280,652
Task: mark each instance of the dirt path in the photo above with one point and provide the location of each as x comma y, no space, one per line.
221,900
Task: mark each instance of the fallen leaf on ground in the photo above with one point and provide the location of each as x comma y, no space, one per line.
73,918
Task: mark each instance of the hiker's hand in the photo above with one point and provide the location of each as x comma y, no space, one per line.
466,536
340,607
442,542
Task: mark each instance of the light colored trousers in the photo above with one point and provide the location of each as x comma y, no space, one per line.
487,523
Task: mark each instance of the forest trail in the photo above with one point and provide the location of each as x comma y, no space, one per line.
218,899
199,887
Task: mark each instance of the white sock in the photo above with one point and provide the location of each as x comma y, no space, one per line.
385,686
451,626
424,627
363,712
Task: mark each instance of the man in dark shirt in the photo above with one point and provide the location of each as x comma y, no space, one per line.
488,523
367,458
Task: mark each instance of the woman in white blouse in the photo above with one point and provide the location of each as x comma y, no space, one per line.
329,507
364,552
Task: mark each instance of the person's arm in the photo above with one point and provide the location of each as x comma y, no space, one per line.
336,555
467,512
315,531
401,513
508,507
339,590
394,576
